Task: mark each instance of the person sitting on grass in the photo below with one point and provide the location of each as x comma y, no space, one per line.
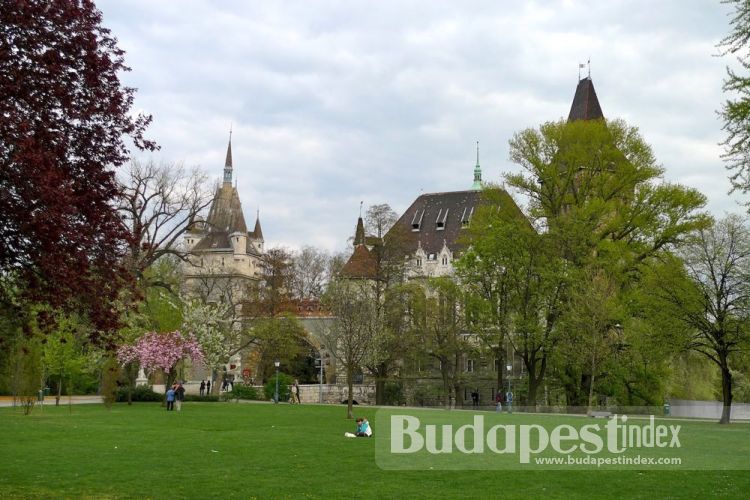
363,429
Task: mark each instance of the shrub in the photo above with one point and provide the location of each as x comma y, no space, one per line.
209,398
140,393
393,394
285,382
242,391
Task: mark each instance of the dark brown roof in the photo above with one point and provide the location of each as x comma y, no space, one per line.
359,233
225,214
437,218
362,264
228,162
257,232
215,240
585,103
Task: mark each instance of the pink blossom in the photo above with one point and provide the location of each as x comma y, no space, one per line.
161,351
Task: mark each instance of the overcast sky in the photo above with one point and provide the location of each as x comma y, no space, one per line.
337,102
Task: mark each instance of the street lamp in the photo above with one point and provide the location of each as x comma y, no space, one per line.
276,395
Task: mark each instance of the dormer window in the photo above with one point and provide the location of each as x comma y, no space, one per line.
466,216
445,260
441,219
419,261
432,256
416,221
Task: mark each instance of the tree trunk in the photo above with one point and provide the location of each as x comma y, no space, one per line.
59,392
591,383
381,375
350,385
500,370
726,392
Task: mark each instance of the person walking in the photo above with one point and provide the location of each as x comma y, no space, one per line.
179,396
170,399
296,391
203,387
208,387
499,400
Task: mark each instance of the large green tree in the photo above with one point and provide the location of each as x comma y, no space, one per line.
597,194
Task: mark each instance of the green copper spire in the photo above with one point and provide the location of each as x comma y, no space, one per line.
477,173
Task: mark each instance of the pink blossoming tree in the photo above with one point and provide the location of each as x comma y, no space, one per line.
161,351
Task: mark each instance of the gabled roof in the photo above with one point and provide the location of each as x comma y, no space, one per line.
225,214
362,264
438,219
585,103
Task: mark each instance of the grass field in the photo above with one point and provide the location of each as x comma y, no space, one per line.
268,451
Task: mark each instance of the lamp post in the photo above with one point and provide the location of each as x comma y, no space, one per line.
509,396
276,394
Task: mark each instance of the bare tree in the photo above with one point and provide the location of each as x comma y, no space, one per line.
715,302
158,203
310,272
351,334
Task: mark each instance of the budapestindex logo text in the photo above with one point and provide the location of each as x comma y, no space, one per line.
408,436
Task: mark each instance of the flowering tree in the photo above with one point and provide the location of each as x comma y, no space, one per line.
161,351
213,332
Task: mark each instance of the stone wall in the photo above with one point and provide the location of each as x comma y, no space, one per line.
335,394
707,409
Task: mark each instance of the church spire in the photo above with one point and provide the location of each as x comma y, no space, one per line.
359,235
228,162
477,173
585,104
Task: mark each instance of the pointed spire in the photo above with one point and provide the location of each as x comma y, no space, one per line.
257,232
585,103
477,173
228,162
359,235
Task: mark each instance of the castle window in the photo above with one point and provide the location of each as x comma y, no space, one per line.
419,261
445,260
469,365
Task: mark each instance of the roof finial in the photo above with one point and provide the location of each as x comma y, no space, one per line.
477,173
228,161
589,63
360,208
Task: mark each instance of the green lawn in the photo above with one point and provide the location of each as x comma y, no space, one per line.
226,450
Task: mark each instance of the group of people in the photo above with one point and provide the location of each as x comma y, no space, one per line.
175,396
205,387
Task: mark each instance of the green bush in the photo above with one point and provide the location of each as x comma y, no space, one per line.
393,394
285,382
140,393
210,398
242,391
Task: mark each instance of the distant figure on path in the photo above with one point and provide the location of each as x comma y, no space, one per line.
499,401
179,395
203,387
296,391
170,399
475,398
208,387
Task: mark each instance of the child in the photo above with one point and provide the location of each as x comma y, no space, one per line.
363,429
170,399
